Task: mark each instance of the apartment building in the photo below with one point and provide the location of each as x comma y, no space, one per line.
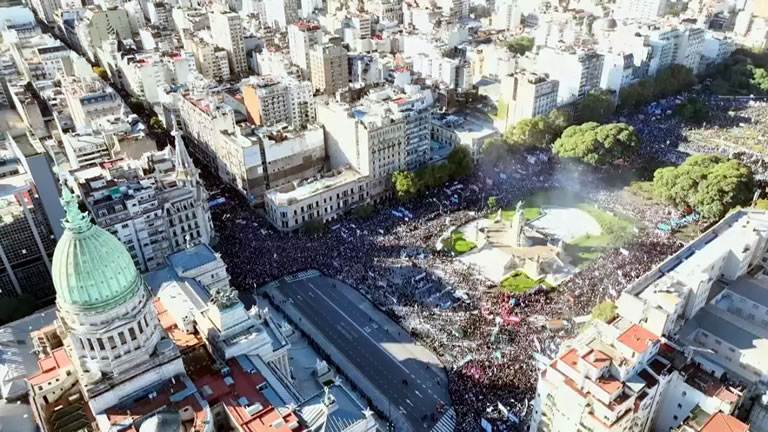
527,95
323,197
417,110
641,9
154,209
451,131
390,11
302,37
257,160
85,149
89,100
228,34
577,71
203,117
676,45
369,137
213,61
329,69
270,101
102,24
703,309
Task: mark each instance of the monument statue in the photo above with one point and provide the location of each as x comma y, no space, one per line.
224,297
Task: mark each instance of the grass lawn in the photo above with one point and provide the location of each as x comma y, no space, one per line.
762,204
458,244
615,231
642,190
519,282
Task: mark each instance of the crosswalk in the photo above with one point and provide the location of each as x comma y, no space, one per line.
447,422
306,274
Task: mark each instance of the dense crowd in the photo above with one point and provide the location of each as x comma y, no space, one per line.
737,127
492,372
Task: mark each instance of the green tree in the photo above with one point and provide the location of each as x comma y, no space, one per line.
596,144
520,44
710,184
693,110
460,162
155,122
557,121
14,308
405,183
314,226
534,132
363,210
604,311
493,202
494,151
597,106
101,72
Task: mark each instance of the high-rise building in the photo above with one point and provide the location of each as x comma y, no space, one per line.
151,218
202,118
228,33
370,137
643,9
329,68
506,15
417,110
270,102
280,13
527,95
27,237
390,11
676,45
302,37
268,158
212,60
578,72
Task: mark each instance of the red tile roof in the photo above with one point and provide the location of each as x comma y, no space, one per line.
720,422
637,338
51,366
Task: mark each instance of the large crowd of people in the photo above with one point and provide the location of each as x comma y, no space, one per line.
447,305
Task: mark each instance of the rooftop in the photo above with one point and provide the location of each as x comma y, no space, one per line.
286,194
192,258
637,338
720,422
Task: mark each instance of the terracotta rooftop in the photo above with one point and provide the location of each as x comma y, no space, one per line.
720,422
637,338
597,358
51,366
609,384
571,358
181,338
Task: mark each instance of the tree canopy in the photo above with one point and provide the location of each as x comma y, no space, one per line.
711,184
597,106
743,73
667,82
604,311
596,144
519,45
539,131
694,110
410,183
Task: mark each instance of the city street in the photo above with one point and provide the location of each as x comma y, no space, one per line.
392,362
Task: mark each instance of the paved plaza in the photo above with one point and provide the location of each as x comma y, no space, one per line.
408,377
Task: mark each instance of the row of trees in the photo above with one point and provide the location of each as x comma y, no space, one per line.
711,184
741,74
410,183
667,82
541,131
596,144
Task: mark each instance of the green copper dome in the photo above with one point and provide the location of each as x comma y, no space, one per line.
92,270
